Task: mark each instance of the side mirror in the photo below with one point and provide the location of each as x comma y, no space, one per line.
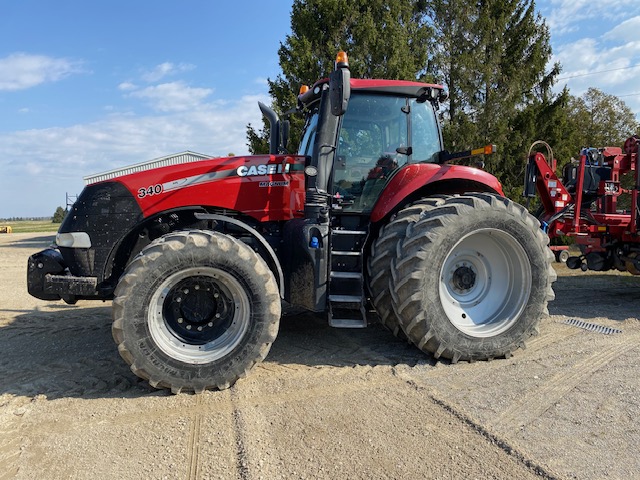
340,85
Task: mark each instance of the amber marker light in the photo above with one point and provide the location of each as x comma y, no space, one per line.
489,149
303,89
486,150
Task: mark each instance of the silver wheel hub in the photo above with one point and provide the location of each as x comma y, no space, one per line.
485,283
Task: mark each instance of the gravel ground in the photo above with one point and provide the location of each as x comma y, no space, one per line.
326,403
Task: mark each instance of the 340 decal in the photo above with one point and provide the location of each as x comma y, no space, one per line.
150,190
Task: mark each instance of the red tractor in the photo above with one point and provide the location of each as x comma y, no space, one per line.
199,256
596,202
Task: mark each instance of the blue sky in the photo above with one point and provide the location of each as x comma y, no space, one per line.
86,87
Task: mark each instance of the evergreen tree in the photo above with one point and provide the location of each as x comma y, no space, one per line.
383,38
493,56
59,215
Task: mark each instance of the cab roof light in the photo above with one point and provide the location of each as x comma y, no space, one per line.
303,89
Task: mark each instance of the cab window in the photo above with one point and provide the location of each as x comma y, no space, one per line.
309,134
425,135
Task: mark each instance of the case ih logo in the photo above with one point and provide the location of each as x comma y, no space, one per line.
264,169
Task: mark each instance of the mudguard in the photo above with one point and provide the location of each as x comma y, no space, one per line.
418,176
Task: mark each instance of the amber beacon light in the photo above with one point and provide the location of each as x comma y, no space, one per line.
342,60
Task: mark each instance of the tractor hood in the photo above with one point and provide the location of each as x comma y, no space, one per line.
266,187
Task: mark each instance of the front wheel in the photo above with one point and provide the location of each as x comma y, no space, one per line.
472,279
195,310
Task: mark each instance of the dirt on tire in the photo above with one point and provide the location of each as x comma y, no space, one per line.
325,403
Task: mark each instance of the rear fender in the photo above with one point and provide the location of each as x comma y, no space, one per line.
422,179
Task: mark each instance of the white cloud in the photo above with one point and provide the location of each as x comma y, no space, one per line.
59,157
20,71
597,45
577,15
165,69
626,31
127,86
172,97
577,57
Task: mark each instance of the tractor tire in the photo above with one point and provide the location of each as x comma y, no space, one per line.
383,250
472,279
195,311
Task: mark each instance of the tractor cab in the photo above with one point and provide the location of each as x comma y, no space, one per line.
384,125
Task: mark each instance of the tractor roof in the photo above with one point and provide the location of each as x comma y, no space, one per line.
403,88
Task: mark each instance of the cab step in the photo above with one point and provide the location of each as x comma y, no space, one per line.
346,278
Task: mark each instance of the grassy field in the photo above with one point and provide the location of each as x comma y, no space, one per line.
32,226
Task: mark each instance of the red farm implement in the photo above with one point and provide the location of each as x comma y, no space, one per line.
595,202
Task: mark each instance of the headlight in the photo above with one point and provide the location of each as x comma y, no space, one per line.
73,240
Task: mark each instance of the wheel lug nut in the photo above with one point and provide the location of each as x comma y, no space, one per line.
197,287
180,320
188,327
217,315
210,324
199,329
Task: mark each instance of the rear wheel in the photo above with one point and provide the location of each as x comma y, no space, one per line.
383,250
195,310
472,279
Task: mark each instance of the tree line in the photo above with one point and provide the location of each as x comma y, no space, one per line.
57,217
492,56
22,219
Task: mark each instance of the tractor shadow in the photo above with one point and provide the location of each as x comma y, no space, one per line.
307,339
67,351
63,351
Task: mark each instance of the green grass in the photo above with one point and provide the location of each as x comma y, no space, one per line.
32,226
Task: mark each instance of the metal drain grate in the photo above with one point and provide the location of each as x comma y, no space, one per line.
592,327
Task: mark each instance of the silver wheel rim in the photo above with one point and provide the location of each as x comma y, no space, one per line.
168,339
485,283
